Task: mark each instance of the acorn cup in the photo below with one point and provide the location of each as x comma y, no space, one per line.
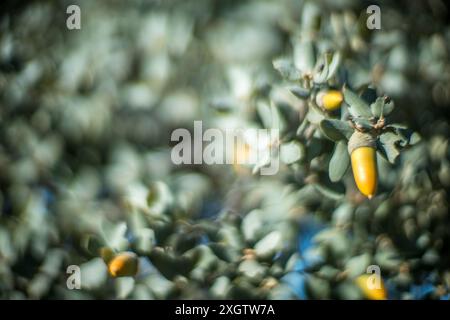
362,150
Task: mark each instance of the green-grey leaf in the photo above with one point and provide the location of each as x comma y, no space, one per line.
318,287
339,162
264,112
405,135
291,152
252,224
286,69
114,234
358,107
315,116
93,274
414,138
327,192
269,115
334,65
336,130
145,240
124,287
363,123
377,107
277,120
92,244
321,76
387,144
304,57
252,269
268,245
299,92
388,107
357,265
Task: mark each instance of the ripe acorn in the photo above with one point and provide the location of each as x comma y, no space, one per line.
362,150
329,99
123,264
379,293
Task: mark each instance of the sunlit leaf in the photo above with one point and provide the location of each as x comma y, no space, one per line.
287,69
358,107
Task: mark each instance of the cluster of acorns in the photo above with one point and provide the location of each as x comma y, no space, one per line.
361,147
126,264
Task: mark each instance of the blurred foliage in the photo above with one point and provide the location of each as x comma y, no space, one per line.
85,123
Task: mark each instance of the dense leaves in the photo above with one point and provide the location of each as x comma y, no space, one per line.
86,174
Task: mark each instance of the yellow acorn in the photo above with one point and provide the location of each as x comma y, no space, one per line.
371,290
361,148
123,264
330,99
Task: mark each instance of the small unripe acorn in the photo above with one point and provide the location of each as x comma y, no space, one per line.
329,99
124,264
379,293
362,150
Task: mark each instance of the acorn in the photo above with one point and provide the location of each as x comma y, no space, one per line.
362,150
371,293
329,99
123,264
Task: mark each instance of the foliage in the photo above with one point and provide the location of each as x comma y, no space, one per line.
85,124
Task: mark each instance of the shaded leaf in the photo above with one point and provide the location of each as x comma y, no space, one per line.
339,162
297,283
92,244
377,107
336,130
299,92
406,135
327,192
317,287
387,145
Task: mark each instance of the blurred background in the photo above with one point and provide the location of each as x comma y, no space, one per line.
85,123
